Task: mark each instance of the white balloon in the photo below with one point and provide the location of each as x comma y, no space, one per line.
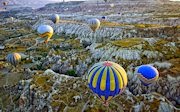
94,23
44,29
112,5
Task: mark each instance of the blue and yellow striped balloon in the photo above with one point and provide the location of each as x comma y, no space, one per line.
147,74
107,79
13,58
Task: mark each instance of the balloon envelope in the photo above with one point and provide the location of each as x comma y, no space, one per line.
12,19
112,5
147,74
94,24
45,31
55,18
103,17
13,58
107,79
5,3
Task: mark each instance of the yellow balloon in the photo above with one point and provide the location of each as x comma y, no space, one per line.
45,31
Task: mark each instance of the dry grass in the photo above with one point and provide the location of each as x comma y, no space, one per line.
126,43
10,79
169,16
111,24
175,68
138,25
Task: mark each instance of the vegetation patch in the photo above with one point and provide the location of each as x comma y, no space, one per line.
178,26
111,24
100,45
75,43
71,73
169,16
175,67
146,25
126,43
138,25
43,82
11,79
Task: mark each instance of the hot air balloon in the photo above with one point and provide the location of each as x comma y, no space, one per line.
112,5
103,17
11,19
13,58
147,74
94,24
5,3
55,18
107,80
45,31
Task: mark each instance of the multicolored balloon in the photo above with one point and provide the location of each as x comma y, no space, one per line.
147,74
107,80
94,24
45,31
55,18
14,58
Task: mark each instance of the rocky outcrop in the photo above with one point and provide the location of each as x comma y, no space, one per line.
53,77
56,91
83,32
109,51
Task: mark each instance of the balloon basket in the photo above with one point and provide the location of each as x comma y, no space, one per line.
106,104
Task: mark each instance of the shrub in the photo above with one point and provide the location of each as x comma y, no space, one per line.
71,73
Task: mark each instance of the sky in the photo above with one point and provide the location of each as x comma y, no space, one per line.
36,3
40,3
65,0
174,0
